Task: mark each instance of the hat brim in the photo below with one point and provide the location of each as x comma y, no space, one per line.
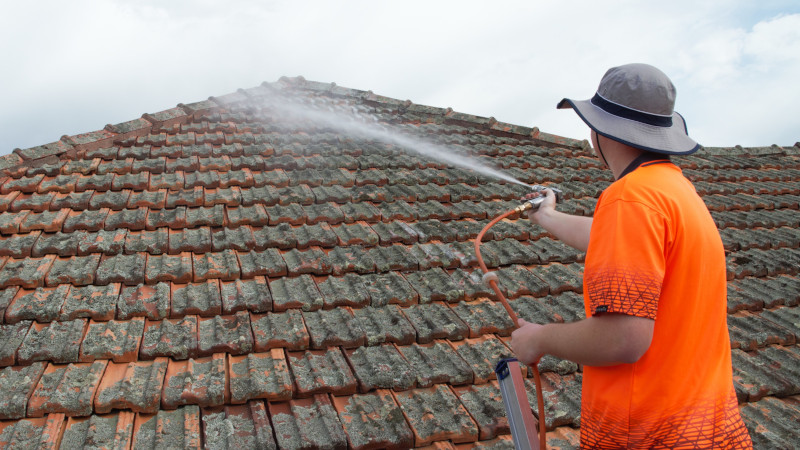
671,140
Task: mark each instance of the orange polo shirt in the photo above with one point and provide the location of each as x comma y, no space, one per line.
655,252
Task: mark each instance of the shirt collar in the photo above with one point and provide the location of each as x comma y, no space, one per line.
644,158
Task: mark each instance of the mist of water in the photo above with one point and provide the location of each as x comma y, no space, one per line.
358,121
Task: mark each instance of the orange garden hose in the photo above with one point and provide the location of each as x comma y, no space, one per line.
493,284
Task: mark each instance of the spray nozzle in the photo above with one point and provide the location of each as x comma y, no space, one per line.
535,202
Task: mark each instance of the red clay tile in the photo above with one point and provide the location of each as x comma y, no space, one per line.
115,340
172,268
170,429
373,420
89,220
76,270
197,240
436,362
484,317
279,330
176,338
246,295
96,302
435,321
484,403
131,219
42,304
203,299
221,265
295,293
436,414
42,433
7,199
109,431
16,386
33,202
482,354
11,337
320,371
259,376
389,288
213,216
225,334
67,389
239,238
334,328
385,324
28,273
150,301
58,342
134,386
242,426
190,197
262,262
174,218
381,367
254,215
18,246
125,269
311,261
201,381
348,290
107,242
307,423
47,221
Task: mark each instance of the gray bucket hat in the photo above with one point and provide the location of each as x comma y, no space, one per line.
634,105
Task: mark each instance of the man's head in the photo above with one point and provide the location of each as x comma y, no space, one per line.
634,105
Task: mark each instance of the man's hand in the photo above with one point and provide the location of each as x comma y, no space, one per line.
547,206
524,342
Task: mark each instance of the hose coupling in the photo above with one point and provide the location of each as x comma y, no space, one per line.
490,276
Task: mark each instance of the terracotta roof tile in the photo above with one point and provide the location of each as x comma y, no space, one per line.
482,354
67,389
436,414
40,304
279,330
321,371
435,321
150,301
201,381
771,422
111,431
17,385
434,285
11,337
254,215
373,420
116,340
96,302
250,421
307,423
43,432
177,429
176,338
134,386
297,292
259,375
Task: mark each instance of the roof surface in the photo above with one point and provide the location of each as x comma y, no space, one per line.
238,272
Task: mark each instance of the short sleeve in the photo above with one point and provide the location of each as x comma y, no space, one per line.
625,261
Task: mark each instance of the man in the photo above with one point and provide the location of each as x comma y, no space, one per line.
654,345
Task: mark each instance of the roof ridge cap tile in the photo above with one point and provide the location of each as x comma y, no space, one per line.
738,150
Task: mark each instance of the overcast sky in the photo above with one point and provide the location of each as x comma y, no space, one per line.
72,67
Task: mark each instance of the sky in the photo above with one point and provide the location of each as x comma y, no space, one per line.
72,67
